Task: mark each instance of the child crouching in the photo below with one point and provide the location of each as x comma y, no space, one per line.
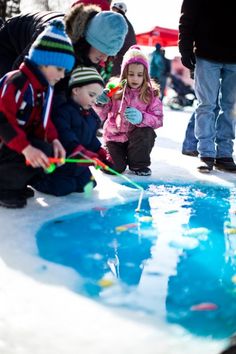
131,115
77,124
26,131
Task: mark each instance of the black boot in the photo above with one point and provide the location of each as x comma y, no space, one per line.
230,350
26,193
12,199
206,165
225,164
145,171
193,153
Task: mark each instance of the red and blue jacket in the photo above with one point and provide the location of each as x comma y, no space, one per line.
25,107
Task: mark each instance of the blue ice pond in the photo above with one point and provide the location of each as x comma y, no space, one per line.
175,261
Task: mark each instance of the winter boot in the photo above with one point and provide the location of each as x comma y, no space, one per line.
145,171
192,153
27,192
225,164
206,165
12,199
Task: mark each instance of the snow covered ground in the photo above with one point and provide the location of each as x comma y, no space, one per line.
39,311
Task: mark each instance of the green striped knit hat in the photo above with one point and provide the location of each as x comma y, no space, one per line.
53,47
84,75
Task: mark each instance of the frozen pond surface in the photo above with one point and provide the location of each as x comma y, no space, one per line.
41,312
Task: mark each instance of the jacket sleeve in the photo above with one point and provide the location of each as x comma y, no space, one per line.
95,143
51,131
102,111
10,132
153,115
67,135
187,25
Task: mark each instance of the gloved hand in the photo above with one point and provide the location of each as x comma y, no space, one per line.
188,60
133,115
103,98
105,157
80,152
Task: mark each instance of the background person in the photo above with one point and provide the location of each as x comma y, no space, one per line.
160,68
95,34
208,49
130,39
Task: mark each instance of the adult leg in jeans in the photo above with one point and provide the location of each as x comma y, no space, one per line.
212,78
225,124
207,85
189,146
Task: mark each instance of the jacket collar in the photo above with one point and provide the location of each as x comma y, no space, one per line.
32,71
84,112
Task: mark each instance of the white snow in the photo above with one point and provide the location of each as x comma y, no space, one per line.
41,313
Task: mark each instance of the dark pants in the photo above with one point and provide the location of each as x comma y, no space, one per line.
14,173
68,178
135,152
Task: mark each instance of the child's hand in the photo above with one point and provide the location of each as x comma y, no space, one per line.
103,98
105,157
80,152
133,115
58,149
35,157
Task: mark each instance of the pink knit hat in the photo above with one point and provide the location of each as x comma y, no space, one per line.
134,55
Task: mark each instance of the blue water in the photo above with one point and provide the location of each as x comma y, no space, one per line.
166,262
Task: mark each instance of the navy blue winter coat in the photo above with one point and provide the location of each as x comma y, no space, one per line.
77,126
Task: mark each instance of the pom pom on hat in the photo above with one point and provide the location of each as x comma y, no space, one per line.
134,55
83,75
53,47
106,32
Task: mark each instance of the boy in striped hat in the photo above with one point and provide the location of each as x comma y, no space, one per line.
77,124
26,131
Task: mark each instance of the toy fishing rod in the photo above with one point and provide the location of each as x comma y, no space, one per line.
97,164
107,168
114,88
60,160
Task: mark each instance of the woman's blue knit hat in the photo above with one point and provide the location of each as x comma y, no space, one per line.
106,32
53,47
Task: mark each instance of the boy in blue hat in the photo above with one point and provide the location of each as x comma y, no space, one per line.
26,131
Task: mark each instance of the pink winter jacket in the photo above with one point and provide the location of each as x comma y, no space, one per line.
118,129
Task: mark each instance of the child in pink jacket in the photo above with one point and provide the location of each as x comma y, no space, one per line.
131,116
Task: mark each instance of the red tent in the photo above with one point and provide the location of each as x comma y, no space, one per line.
165,36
